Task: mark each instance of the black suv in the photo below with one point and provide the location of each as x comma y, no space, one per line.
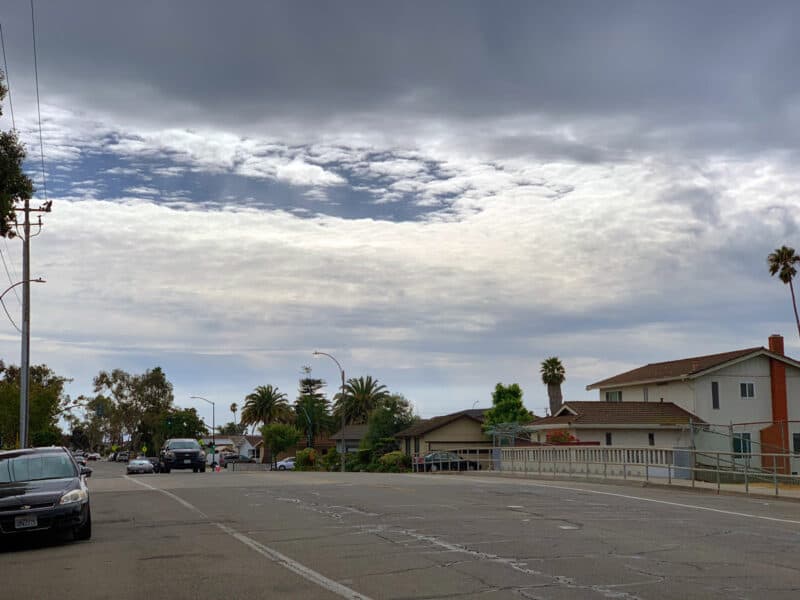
182,454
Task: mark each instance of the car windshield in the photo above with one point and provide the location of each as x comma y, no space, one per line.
184,445
33,467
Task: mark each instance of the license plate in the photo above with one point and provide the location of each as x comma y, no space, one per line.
25,522
187,460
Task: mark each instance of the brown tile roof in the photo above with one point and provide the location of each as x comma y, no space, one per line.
351,432
674,369
619,413
423,427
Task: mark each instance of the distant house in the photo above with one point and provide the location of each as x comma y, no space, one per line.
749,398
462,429
628,424
349,439
248,445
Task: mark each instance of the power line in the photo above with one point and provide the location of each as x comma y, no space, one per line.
10,280
38,105
9,315
8,83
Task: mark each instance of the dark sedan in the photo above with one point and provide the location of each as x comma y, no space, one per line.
43,489
448,461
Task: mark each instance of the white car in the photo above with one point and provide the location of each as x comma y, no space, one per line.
140,465
287,464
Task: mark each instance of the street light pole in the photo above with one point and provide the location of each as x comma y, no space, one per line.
24,370
341,371
310,430
213,430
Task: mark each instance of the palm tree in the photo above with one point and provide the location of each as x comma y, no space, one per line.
361,397
266,404
782,262
234,407
553,375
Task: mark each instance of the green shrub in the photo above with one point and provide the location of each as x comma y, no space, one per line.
394,462
332,461
305,459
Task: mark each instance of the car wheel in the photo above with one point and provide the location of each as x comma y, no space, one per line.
84,532
203,469
281,468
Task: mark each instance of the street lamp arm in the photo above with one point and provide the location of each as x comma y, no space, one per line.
13,285
333,358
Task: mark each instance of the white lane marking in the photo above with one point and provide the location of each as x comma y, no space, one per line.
273,555
667,502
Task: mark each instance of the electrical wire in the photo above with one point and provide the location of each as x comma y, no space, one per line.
38,105
9,316
8,83
10,280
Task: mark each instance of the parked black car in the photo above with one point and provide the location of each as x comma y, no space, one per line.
448,461
182,454
43,489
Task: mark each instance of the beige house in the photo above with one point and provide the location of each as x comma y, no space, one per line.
463,429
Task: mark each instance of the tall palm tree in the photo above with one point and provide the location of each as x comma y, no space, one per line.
553,375
361,396
782,262
234,407
266,404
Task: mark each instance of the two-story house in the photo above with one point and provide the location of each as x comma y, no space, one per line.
749,398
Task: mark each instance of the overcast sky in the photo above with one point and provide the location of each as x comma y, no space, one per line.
441,194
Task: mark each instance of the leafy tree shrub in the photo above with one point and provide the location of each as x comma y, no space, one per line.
560,437
332,461
394,462
305,459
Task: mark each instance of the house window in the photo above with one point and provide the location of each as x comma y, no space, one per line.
416,445
615,396
715,395
796,443
741,444
645,394
408,446
651,439
608,438
748,390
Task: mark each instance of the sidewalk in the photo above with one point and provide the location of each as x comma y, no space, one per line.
759,489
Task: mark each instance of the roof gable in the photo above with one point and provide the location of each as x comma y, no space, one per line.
684,368
428,425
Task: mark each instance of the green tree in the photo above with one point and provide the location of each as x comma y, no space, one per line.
553,375
279,437
234,409
182,423
782,263
231,428
391,416
141,404
361,396
507,407
266,404
14,184
312,407
47,404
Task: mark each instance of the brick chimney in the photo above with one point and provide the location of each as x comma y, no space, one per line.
776,344
775,438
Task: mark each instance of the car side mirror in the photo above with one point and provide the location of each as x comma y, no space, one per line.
86,472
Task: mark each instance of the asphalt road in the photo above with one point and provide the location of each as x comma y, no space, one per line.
317,535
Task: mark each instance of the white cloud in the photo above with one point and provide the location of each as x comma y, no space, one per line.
302,173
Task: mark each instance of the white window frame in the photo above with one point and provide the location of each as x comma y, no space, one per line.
615,394
749,386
